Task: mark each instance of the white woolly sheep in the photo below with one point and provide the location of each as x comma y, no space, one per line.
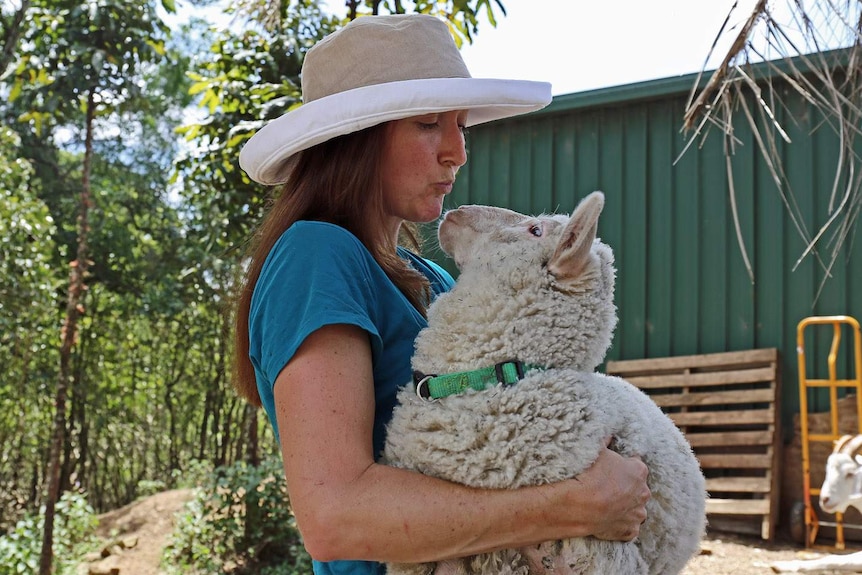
540,290
842,488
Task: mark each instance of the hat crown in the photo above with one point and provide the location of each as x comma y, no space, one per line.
380,50
380,69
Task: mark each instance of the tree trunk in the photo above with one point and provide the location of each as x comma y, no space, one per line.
226,428
74,310
75,463
204,426
253,442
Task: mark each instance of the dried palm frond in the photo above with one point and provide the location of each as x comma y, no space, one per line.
815,48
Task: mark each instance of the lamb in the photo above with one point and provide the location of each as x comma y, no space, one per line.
842,488
534,301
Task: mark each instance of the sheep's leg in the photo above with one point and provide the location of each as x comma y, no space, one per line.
851,563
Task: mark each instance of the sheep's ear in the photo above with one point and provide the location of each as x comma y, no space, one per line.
573,250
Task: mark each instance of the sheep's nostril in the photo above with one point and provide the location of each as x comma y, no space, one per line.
824,500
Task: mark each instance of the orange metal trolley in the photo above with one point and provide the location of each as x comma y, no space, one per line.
812,523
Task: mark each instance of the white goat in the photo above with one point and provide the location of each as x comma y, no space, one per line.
842,488
539,290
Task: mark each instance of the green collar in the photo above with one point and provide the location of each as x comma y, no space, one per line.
434,386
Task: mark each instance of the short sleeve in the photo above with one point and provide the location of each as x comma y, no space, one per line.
315,275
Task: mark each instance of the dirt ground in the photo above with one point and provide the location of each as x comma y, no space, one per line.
136,534
731,554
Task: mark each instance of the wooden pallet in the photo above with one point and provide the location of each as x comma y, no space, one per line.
727,405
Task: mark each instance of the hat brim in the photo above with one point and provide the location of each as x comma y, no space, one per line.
265,156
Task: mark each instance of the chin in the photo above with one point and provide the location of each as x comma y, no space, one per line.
428,216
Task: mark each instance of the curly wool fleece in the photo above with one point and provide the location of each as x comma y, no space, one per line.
540,290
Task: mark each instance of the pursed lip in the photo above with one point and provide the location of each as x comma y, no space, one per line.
445,185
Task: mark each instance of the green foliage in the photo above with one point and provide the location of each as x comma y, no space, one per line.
242,523
114,58
72,50
28,325
147,487
74,534
246,79
26,246
196,472
462,15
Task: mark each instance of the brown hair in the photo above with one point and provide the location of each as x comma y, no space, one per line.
337,181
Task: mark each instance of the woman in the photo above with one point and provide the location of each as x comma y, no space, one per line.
331,304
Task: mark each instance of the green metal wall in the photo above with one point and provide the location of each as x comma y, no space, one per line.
682,284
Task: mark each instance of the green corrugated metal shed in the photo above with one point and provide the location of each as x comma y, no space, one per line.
682,283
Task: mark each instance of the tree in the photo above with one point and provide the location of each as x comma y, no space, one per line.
77,65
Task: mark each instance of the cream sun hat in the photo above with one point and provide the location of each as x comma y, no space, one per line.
377,69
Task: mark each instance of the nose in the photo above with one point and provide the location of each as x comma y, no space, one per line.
453,148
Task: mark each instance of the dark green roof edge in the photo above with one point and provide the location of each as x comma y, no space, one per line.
675,85
648,90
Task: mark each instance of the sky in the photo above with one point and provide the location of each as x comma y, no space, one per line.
580,45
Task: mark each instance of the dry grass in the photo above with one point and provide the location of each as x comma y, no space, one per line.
798,40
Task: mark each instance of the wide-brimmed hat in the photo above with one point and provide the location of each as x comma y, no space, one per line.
377,69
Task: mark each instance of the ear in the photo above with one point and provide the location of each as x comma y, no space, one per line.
573,250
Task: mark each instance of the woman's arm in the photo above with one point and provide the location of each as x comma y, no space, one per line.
349,507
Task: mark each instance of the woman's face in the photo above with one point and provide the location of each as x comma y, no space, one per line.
421,156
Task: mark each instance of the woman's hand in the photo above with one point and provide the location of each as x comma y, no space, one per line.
619,495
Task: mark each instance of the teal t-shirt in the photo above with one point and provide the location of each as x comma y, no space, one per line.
320,274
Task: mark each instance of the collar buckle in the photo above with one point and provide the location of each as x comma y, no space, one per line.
501,374
422,390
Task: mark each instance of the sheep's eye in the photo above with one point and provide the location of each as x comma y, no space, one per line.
536,230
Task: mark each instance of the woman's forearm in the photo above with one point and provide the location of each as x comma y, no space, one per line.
395,515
